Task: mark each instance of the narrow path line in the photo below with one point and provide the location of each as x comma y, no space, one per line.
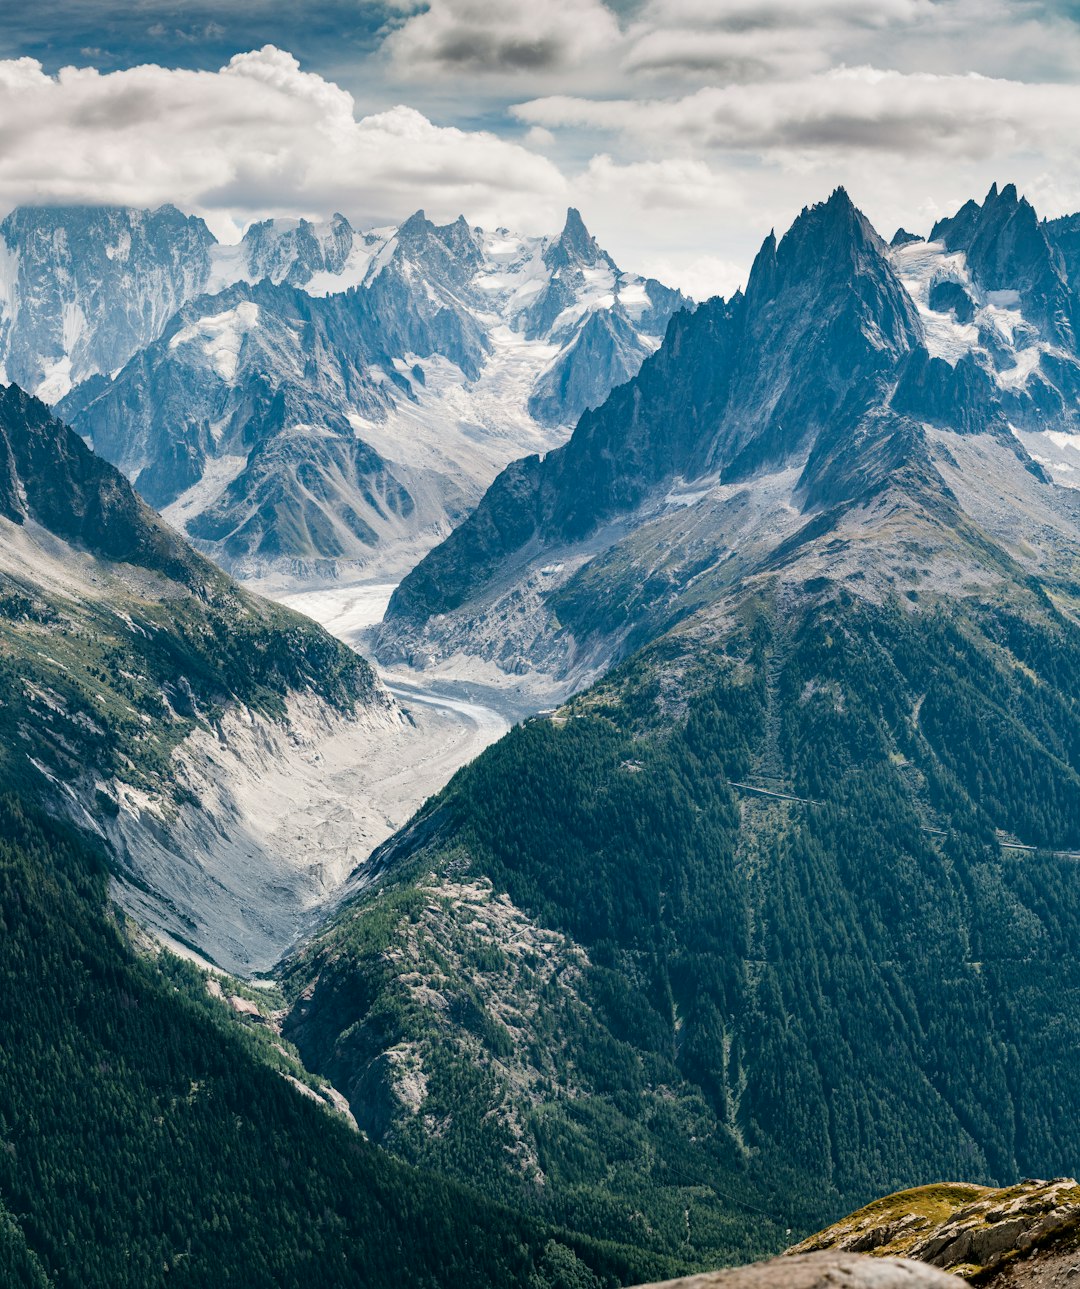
934,832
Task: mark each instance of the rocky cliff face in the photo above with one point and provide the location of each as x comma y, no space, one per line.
84,288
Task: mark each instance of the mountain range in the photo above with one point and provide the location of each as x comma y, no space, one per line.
314,398
846,368
772,912
776,915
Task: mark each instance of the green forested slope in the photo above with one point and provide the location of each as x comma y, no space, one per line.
144,1139
767,1010
142,1145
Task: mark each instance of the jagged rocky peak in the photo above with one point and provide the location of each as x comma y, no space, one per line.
575,247
83,288
1011,256
902,237
292,251
448,252
823,313
738,388
830,248
831,242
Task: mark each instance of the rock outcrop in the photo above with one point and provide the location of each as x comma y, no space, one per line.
819,1271
1028,1234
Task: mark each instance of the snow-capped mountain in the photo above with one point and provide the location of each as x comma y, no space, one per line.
948,363
333,396
83,288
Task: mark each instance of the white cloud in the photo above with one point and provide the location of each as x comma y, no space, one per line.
682,130
672,184
737,40
259,136
840,111
508,37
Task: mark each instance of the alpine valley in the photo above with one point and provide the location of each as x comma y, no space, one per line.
766,905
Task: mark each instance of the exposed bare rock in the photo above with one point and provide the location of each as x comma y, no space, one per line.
1023,1235
820,1271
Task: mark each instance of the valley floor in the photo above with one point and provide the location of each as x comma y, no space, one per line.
287,818
305,813
351,611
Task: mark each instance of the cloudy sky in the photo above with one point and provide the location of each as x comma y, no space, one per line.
682,129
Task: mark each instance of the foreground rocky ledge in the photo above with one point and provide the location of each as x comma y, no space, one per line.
1028,1234
825,1270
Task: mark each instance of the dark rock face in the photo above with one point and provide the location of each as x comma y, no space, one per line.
823,312
950,297
606,352
1009,250
962,396
49,475
1064,236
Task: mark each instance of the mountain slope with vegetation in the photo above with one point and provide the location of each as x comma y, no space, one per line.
143,1144
791,994
146,1138
779,915
127,664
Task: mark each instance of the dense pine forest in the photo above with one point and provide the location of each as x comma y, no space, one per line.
143,1142
764,1010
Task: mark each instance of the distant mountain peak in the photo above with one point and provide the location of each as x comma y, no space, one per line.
417,222
575,246
902,237
1008,249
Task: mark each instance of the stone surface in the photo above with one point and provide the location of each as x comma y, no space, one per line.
973,1231
820,1271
